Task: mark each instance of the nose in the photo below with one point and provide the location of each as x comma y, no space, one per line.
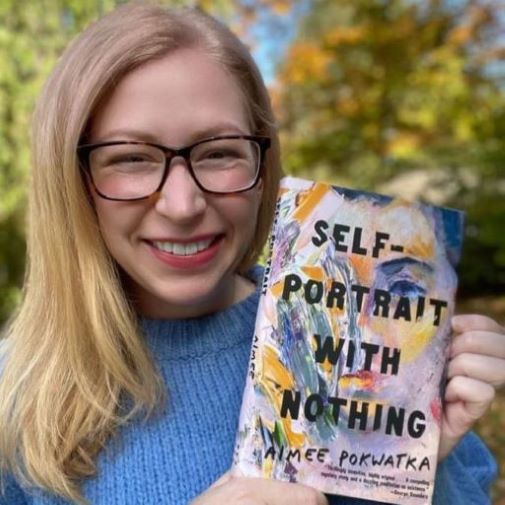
180,199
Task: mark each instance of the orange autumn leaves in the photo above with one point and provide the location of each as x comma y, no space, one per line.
362,86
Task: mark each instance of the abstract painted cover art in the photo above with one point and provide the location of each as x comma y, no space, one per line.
347,365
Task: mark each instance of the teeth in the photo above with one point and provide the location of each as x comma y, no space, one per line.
183,249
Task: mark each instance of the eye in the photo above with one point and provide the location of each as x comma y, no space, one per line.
406,288
225,154
219,154
215,154
132,158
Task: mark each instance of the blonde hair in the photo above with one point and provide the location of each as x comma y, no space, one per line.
72,358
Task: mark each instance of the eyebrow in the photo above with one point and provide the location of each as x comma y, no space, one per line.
394,266
143,135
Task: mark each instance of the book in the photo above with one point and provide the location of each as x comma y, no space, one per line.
347,366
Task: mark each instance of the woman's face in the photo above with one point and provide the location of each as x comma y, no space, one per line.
176,101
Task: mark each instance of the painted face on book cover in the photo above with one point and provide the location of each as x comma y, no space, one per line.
176,101
421,270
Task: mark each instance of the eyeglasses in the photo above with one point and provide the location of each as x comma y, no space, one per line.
134,170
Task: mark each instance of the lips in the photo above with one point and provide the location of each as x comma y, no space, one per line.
187,253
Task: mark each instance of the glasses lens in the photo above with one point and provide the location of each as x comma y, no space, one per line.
226,165
126,171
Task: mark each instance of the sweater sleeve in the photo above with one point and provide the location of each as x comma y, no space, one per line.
10,492
465,476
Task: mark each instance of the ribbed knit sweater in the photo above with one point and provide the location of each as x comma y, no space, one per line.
175,456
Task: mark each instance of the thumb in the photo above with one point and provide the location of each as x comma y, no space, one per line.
223,479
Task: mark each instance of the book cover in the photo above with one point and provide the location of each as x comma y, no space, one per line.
346,372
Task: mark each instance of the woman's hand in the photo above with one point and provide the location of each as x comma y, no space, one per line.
476,369
251,491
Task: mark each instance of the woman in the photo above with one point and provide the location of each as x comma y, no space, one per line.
122,371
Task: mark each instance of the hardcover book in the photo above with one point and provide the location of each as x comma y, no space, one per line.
346,372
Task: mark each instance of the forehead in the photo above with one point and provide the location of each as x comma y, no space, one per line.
173,97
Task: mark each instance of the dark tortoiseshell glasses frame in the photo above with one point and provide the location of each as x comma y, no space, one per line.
84,151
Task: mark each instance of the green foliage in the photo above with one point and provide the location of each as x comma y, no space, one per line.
371,90
368,90
31,39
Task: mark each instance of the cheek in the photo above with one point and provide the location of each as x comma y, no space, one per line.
117,223
242,212
106,221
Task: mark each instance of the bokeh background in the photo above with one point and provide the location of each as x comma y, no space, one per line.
398,96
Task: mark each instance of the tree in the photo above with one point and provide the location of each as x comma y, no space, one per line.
31,39
371,90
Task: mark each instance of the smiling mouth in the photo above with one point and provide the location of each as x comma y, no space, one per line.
185,248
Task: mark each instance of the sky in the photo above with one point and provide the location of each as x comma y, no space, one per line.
273,36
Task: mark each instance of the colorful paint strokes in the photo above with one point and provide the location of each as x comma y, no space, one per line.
347,364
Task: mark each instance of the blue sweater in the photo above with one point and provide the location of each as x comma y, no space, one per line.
177,455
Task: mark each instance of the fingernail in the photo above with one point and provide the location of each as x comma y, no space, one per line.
457,323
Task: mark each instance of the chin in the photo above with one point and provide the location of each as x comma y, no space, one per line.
183,302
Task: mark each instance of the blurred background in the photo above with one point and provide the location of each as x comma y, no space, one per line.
398,96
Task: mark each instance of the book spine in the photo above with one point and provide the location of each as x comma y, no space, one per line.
268,267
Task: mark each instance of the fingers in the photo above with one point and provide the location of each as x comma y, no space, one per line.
478,349
466,401
479,342
477,394
469,322
254,491
476,366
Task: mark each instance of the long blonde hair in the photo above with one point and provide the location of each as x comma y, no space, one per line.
73,357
